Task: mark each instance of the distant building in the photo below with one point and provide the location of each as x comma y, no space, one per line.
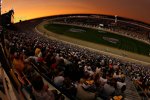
7,19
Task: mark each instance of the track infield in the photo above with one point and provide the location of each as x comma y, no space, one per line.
108,50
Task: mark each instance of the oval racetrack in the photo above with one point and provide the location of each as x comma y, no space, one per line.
121,54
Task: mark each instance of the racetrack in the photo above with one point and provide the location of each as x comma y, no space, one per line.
121,54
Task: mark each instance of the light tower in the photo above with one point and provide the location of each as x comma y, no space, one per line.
116,18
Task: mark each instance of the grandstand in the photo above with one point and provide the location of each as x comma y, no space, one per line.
67,71
123,26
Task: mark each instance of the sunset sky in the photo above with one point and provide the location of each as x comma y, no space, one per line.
28,9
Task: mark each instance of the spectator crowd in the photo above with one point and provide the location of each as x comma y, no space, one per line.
80,73
127,28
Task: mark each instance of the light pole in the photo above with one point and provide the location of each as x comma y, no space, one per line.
116,18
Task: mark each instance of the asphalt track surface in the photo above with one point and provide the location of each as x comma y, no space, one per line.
106,50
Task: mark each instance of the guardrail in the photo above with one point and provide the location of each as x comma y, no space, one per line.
67,97
140,90
9,72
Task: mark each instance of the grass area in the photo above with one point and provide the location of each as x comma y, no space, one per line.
101,37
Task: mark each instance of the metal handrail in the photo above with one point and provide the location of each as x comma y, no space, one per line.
135,83
47,79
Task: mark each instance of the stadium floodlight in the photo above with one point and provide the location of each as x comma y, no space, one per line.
116,18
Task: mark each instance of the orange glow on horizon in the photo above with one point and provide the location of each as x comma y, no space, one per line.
28,9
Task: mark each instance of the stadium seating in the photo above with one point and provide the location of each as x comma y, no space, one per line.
71,70
77,66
